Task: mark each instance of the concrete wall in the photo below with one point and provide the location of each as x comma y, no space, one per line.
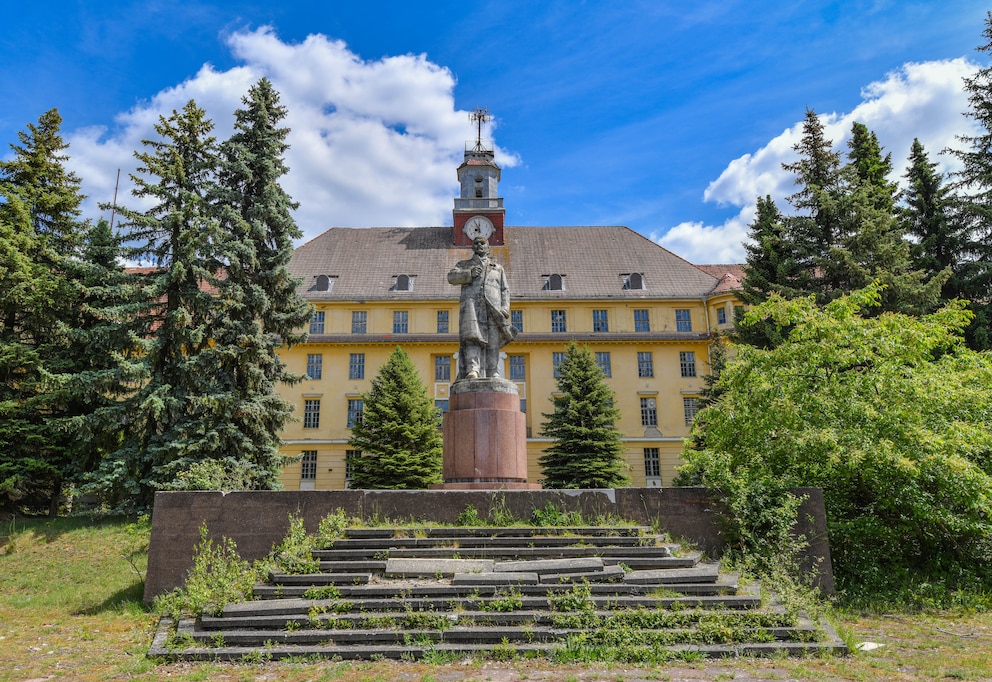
258,520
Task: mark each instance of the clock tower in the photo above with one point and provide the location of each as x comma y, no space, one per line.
478,210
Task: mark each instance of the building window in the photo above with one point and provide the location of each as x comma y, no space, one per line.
350,456
317,323
690,406
556,360
355,407
322,283
649,412
356,366
518,368
687,363
308,469
652,463
633,281
721,315
359,319
683,322
315,365
401,322
558,323
641,323
603,360
600,321
311,413
442,321
645,365
517,319
554,283
403,283
441,405
442,368
523,405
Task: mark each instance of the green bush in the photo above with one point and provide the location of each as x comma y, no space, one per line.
891,415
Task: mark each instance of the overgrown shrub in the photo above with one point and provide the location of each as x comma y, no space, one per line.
891,415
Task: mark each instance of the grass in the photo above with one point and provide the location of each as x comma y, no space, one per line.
70,608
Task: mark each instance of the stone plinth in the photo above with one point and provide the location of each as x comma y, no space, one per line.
485,437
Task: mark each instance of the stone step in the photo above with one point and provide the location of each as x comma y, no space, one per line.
670,576
496,531
493,552
274,650
313,579
465,542
414,568
726,584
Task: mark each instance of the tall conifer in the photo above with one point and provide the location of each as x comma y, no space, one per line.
587,447
398,437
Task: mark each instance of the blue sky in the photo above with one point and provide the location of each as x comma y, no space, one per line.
670,118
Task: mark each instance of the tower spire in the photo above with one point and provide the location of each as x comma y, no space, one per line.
479,115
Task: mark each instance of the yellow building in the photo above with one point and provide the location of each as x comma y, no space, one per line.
648,315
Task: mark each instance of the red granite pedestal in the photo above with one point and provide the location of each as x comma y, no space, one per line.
485,437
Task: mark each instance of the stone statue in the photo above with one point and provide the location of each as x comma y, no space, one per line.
484,314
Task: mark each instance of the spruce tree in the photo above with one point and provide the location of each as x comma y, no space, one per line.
587,449
182,238
926,214
398,433
241,415
41,210
816,228
973,187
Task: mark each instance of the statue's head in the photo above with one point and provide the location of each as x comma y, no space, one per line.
480,246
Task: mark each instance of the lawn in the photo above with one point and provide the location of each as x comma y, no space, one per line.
70,608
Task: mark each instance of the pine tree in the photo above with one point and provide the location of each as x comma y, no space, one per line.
242,416
105,338
42,213
180,235
398,433
973,187
587,449
926,215
816,229
870,168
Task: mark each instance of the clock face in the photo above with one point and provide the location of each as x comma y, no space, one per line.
478,226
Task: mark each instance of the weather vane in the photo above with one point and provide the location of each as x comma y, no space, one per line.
479,116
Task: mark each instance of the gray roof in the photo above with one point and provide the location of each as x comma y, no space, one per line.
363,263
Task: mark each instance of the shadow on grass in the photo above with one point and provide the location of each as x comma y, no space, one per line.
51,529
130,599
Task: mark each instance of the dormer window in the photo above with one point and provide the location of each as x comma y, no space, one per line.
554,282
403,283
633,280
323,283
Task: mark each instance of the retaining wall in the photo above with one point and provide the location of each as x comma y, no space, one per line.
257,520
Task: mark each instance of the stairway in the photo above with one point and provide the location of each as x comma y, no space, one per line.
441,594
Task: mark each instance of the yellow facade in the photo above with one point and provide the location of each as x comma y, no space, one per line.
653,400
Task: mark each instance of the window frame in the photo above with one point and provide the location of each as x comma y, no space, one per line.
559,322
600,321
604,362
642,326
649,415
516,367
442,368
687,364
308,466
356,366
401,321
442,321
315,366
652,462
359,321
317,322
645,364
557,357
683,320
311,413
356,406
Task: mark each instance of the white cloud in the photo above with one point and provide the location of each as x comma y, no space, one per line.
924,100
372,142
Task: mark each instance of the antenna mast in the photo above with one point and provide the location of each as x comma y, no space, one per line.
479,116
113,209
